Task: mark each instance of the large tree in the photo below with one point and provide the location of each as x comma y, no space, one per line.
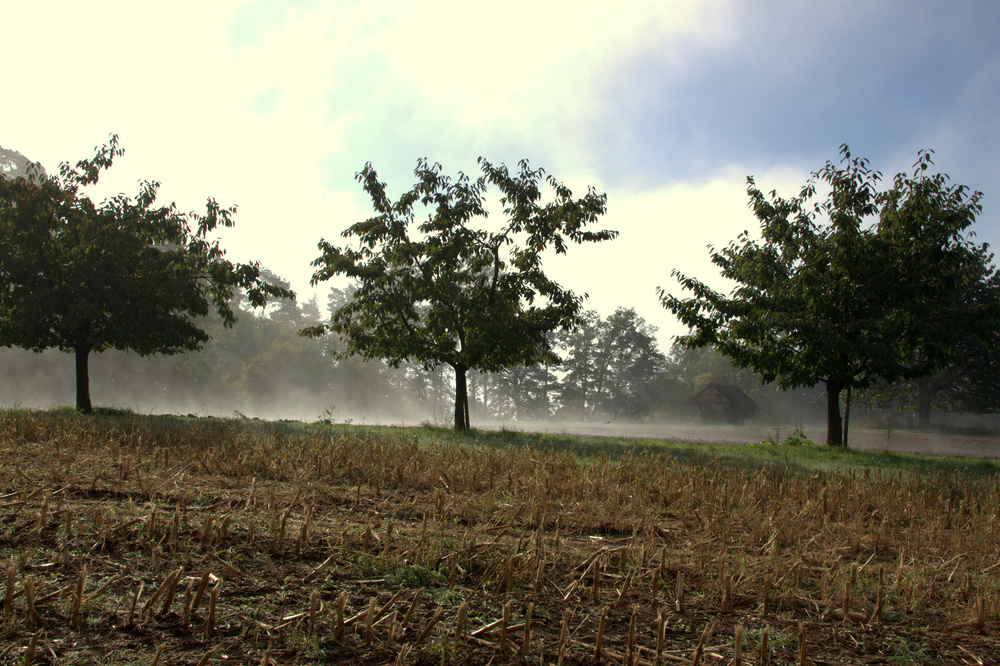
613,367
969,383
457,292
862,285
123,274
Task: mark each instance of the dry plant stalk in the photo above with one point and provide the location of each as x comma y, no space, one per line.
320,569
563,635
188,598
29,653
314,609
880,596
625,586
630,652
599,643
679,592
43,514
802,644
738,645
283,525
104,587
596,591
727,592
206,531
430,625
527,628
413,607
29,594
135,601
661,635
654,588
696,657
389,604
765,653
175,533
213,599
460,622
536,585
81,584
202,586
369,616
8,596
504,623
306,529
151,525
341,607
207,658
508,578
392,627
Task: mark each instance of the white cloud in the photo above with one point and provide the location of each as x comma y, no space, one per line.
665,229
279,120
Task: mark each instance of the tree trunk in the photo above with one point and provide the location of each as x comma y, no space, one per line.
461,398
83,405
834,433
924,397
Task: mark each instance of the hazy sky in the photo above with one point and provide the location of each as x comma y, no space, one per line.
666,106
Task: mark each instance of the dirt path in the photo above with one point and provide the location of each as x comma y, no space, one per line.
986,445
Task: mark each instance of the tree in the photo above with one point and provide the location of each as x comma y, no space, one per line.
613,367
629,365
969,383
578,391
12,163
456,293
122,274
869,292
970,380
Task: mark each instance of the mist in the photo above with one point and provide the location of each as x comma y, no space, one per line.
614,380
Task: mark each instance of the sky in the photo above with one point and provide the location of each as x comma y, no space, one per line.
664,106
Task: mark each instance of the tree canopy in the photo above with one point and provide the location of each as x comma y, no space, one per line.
454,292
612,368
123,274
862,285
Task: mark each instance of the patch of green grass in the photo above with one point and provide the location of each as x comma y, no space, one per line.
803,458
904,653
416,575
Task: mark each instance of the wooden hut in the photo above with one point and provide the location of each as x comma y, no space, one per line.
718,403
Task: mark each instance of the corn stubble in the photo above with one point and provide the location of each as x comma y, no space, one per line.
281,544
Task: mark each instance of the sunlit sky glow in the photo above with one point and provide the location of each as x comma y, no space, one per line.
666,106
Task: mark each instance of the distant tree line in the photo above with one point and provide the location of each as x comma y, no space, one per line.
612,370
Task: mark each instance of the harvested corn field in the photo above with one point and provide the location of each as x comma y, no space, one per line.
128,539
